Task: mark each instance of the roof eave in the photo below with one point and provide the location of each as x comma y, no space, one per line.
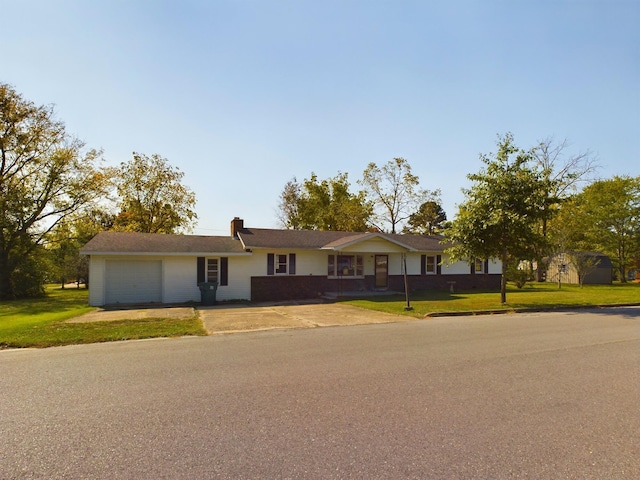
168,254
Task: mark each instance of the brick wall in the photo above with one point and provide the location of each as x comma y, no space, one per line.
293,287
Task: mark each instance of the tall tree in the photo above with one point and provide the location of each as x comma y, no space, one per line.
289,203
563,173
499,215
66,239
428,220
611,218
394,191
324,205
46,175
152,197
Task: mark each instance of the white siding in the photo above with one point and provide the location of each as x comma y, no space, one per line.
413,263
458,268
96,281
395,264
240,271
180,280
495,266
375,245
311,262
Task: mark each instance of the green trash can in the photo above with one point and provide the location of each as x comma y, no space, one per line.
208,292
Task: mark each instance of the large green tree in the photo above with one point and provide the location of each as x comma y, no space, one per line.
46,175
428,220
501,210
610,217
324,205
152,197
395,193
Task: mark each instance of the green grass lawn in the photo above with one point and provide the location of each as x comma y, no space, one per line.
534,296
40,322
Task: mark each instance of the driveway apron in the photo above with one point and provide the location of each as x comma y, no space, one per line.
238,318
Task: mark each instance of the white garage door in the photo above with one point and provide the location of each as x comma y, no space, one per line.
133,281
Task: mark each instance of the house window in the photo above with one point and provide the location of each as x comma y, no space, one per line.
281,263
212,270
430,264
345,266
478,266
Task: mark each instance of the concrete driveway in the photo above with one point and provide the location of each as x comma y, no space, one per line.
244,318
133,313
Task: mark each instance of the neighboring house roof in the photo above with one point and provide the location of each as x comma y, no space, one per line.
133,242
248,238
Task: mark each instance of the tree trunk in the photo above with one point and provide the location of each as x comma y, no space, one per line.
6,289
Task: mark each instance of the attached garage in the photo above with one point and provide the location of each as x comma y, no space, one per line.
133,281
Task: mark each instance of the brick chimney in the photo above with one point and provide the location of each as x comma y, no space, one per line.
237,224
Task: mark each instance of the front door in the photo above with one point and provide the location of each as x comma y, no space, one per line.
382,271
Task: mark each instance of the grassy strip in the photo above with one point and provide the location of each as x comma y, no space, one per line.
536,296
56,333
41,323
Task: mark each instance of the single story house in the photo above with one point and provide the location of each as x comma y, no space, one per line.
260,264
568,267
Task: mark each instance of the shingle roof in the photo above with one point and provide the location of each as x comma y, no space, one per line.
313,239
298,239
132,242
146,243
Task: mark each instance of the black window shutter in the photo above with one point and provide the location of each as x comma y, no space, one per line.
224,271
423,264
438,266
486,266
292,264
473,266
270,264
200,270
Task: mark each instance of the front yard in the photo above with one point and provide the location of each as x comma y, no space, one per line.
533,296
40,322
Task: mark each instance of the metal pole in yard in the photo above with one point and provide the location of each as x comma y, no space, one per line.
408,307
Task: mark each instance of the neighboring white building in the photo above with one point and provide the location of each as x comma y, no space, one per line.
271,265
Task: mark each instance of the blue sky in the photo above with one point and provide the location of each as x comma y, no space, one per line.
243,96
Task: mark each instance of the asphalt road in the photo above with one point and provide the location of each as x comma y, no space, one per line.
535,396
